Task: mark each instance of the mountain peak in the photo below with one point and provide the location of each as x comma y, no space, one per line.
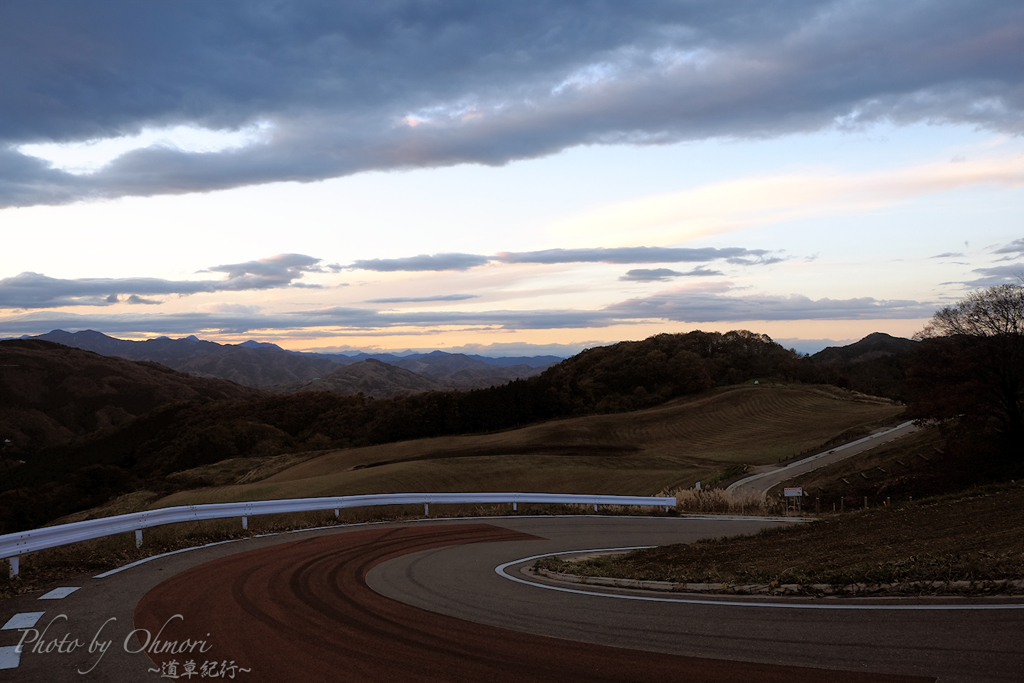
253,344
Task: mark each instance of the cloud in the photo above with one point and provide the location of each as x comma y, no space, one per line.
949,254
997,275
704,304
635,255
421,299
757,201
33,290
422,262
663,274
269,273
709,306
337,89
1015,248
620,255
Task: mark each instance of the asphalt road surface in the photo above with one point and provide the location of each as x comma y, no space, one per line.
765,477
422,602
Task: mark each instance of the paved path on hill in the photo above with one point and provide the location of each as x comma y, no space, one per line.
769,476
422,602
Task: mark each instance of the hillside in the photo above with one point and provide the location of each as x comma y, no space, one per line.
874,346
459,371
638,453
877,364
371,378
51,394
146,451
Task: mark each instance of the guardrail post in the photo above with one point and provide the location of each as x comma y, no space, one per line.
515,506
245,523
16,544
337,512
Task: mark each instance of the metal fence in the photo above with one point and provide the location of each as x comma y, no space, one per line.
22,542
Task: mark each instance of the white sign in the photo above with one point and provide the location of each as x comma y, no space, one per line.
789,493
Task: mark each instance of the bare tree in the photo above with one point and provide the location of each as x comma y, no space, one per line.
972,365
994,312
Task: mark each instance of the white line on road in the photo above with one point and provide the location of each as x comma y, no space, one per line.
22,620
9,657
500,571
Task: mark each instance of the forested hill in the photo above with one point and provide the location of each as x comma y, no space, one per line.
50,394
625,376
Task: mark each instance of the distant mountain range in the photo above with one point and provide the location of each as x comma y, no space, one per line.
269,367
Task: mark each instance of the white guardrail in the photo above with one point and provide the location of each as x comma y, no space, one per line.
22,542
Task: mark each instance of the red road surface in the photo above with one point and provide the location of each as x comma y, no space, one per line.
303,612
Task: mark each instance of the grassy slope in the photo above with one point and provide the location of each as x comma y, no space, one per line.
636,453
967,536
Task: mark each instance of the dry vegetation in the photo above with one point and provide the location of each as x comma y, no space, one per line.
638,453
973,536
911,468
743,502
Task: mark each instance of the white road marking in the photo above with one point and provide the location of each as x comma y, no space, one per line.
157,557
59,593
23,620
9,657
500,571
684,517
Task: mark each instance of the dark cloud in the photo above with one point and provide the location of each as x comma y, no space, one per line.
662,274
484,82
949,254
33,290
421,299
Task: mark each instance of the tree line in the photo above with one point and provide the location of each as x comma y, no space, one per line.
967,374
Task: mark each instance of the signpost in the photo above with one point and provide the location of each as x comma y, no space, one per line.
796,495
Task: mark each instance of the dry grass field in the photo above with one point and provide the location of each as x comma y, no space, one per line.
638,453
968,536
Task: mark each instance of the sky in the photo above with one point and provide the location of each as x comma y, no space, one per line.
505,178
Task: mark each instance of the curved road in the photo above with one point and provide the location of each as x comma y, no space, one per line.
422,602
769,476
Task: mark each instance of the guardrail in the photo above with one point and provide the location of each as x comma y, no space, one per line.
22,542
